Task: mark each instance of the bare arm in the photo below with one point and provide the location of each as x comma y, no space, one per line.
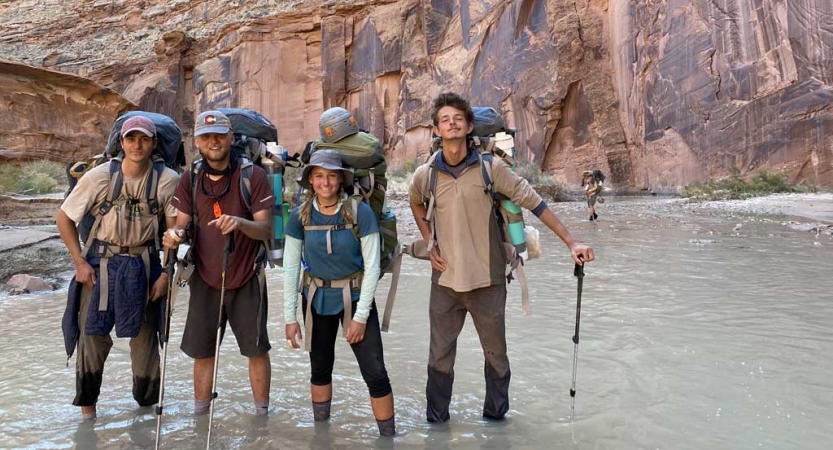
160,286
84,273
259,229
580,253
175,236
69,234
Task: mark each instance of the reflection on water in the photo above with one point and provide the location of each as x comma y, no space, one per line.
685,344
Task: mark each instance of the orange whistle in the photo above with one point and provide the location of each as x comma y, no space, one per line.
217,211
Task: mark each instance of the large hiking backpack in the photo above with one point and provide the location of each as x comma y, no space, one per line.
169,152
595,177
362,153
492,139
169,146
256,143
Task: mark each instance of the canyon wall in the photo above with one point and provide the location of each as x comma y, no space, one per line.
657,93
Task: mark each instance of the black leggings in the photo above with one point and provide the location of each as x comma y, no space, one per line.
368,352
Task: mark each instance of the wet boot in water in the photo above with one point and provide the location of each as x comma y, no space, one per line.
387,427
321,410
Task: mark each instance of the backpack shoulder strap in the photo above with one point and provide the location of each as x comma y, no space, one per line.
486,161
246,169
430,183
194,172
430,187
352,204
114,185
152,185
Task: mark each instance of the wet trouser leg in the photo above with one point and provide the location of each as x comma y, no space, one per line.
323,340
93,352
90,357
447,316
369,355
487,307
144,358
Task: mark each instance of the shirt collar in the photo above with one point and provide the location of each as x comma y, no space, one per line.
471,158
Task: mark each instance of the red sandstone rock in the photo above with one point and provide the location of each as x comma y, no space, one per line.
658,94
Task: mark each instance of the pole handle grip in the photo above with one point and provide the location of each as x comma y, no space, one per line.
579,270
229,247
170,261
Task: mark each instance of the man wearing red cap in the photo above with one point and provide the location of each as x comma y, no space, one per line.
118,273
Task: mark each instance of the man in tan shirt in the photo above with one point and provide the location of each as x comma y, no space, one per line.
122,258
468,264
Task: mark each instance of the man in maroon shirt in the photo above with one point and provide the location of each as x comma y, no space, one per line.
219,210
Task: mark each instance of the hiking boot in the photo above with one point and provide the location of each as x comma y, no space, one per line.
595,217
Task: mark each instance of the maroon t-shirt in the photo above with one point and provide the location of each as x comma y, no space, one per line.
209,241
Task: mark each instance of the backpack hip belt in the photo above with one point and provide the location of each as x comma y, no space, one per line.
347,285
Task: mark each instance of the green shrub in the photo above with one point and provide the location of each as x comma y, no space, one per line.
38,183
34,177
9,178
54,169
545,185
735,187
534,175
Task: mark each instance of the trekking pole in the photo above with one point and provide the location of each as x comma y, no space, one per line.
578,273
170,263
229,247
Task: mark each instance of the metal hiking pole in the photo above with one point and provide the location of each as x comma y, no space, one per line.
229,248
578,273
170,265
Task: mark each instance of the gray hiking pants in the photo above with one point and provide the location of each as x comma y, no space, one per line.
447,312
93,351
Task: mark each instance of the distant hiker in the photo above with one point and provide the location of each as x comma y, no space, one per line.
468,257
119,274
592,180
211,206
339,239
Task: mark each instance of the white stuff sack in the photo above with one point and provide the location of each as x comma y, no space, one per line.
533,241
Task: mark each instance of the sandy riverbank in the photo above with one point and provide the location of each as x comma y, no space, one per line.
799,207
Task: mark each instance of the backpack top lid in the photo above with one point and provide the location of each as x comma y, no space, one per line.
246,122
488,122
168,138
359,150
336,124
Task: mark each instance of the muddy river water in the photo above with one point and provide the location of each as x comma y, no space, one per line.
699,330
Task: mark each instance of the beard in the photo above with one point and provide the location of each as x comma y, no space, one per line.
217,158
